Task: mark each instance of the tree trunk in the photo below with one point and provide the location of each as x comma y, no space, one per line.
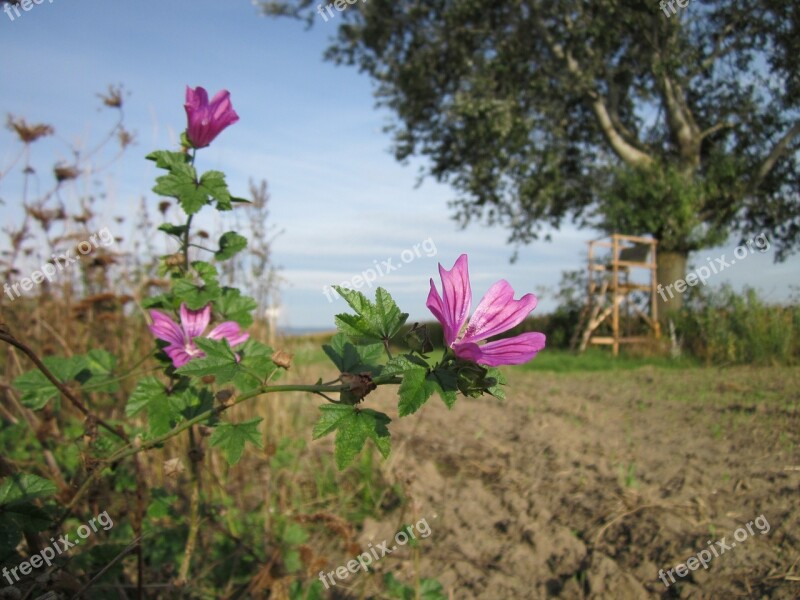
670,268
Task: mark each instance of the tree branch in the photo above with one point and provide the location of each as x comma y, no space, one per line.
627,152
775,154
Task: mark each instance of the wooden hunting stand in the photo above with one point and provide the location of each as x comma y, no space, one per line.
621,282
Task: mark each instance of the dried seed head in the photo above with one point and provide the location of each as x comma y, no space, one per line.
282,359
28,133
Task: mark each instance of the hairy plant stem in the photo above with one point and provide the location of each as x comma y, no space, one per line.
138,446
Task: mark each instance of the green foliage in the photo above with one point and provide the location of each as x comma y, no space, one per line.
182,183
429,589
18,511
229,244
607,113
723,327
378,322
232,437
93,371
353,427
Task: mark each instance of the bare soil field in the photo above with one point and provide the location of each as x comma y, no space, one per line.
586,485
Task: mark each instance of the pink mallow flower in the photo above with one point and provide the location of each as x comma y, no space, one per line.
496,313
181,348
207,119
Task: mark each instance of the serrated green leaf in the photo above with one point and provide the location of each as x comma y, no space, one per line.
27,516
235,307
496,390
376,322
415,390
246,373
446,385
353,427
177,230
37,390
255,364
398,365
229,244
23,487
349,358
231,438
331,417
219,361
99,371
168,160
151,395
181,183
198,295
390,316
213,182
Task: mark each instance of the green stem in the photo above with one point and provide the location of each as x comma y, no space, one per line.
139,446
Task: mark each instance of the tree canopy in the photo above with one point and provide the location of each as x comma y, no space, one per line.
618,115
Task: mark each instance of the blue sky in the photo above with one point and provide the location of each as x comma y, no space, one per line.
309,128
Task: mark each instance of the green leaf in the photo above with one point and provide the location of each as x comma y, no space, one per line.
213,183
24,487
98,374
349,358
177,230
17,512
197,295
219,361
430,589
415,390
376,322
37,390
231,438
446,385
496,390
235,307
229,244
255,364
353,427
168,160
152,396
247,373
181,183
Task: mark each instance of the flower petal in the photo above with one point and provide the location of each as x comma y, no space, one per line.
509,351
452,308
231,331
206,120
195,321
165,328
179,355
498,312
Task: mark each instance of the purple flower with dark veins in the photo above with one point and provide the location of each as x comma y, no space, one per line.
497,312
180,337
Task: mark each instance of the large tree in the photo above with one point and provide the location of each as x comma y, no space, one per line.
615,114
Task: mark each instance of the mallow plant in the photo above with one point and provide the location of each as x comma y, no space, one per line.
208,360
